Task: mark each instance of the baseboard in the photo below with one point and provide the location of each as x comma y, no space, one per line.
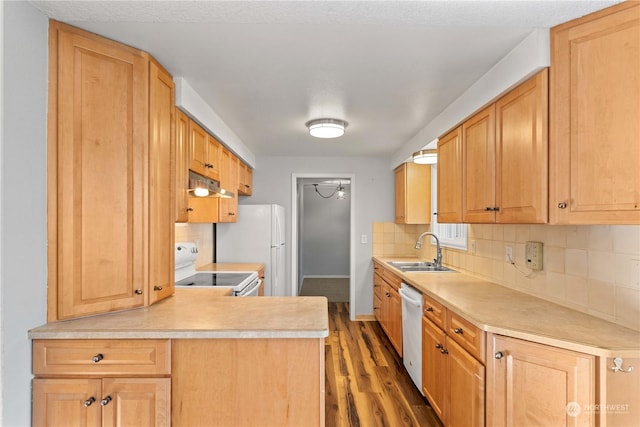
325,277
365,318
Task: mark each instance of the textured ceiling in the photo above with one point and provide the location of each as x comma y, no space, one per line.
266,67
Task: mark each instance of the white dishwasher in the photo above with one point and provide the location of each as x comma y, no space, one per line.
412,333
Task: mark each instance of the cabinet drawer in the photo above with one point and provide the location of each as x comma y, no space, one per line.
101,357
434,311
470,337
392,279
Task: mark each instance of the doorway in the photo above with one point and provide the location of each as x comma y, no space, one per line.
322,235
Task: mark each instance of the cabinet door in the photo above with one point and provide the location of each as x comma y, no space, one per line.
137,402
478,167
228,208
450,177
63,402
213,158
465,388
434,366
532,384
521,152
97,179
595,126
198,149
181,166
400,189
161,183
395,320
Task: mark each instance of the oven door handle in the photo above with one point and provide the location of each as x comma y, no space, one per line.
248,291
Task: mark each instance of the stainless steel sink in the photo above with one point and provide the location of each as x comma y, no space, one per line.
420,266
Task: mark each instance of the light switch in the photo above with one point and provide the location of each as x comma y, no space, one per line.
533,255
363,239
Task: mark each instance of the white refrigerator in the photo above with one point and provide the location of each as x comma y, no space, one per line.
258,236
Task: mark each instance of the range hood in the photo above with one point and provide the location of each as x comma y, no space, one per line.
201,186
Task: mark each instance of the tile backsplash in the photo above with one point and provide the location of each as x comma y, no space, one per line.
202,235
590,268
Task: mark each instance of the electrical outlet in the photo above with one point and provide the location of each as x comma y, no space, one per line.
473,246
508,254
533,254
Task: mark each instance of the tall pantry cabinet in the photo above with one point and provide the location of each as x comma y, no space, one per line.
110,182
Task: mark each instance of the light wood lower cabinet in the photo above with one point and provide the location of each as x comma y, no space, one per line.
248,382
388,305
452,379
531,384
102,402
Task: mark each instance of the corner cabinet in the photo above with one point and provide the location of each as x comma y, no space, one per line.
536,384
413,194
595,118
110,182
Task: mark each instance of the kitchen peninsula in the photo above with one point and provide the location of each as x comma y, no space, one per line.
219,361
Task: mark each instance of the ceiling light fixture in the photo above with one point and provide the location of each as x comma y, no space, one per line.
326,128
339,190
425,157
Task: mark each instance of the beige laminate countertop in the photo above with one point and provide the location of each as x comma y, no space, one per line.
198,313
500,310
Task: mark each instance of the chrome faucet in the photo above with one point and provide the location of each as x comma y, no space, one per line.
438,259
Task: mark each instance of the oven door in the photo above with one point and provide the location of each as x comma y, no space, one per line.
251,290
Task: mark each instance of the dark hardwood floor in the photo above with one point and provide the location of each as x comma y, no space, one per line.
366,382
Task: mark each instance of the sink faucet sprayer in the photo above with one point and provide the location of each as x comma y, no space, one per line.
438,259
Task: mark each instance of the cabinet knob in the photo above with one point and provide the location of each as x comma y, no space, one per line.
89,401
499,355
138,291
562,205
387,294
444,351
458,331
98,357
157,288
105,401
430,309
189,209
232,213
438,345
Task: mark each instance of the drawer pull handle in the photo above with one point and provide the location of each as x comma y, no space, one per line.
105,401
98,357
499,355
89,401
157,288
430,309
458,331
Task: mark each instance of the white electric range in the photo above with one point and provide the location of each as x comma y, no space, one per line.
242,283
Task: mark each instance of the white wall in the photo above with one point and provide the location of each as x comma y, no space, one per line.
325,234
23,278
373,203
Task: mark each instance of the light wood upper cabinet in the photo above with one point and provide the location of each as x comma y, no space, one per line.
413,194
182,163
595,118
522,118
532,384
228,208
505,157
162,160
245,180
450,177
110,197
478,167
